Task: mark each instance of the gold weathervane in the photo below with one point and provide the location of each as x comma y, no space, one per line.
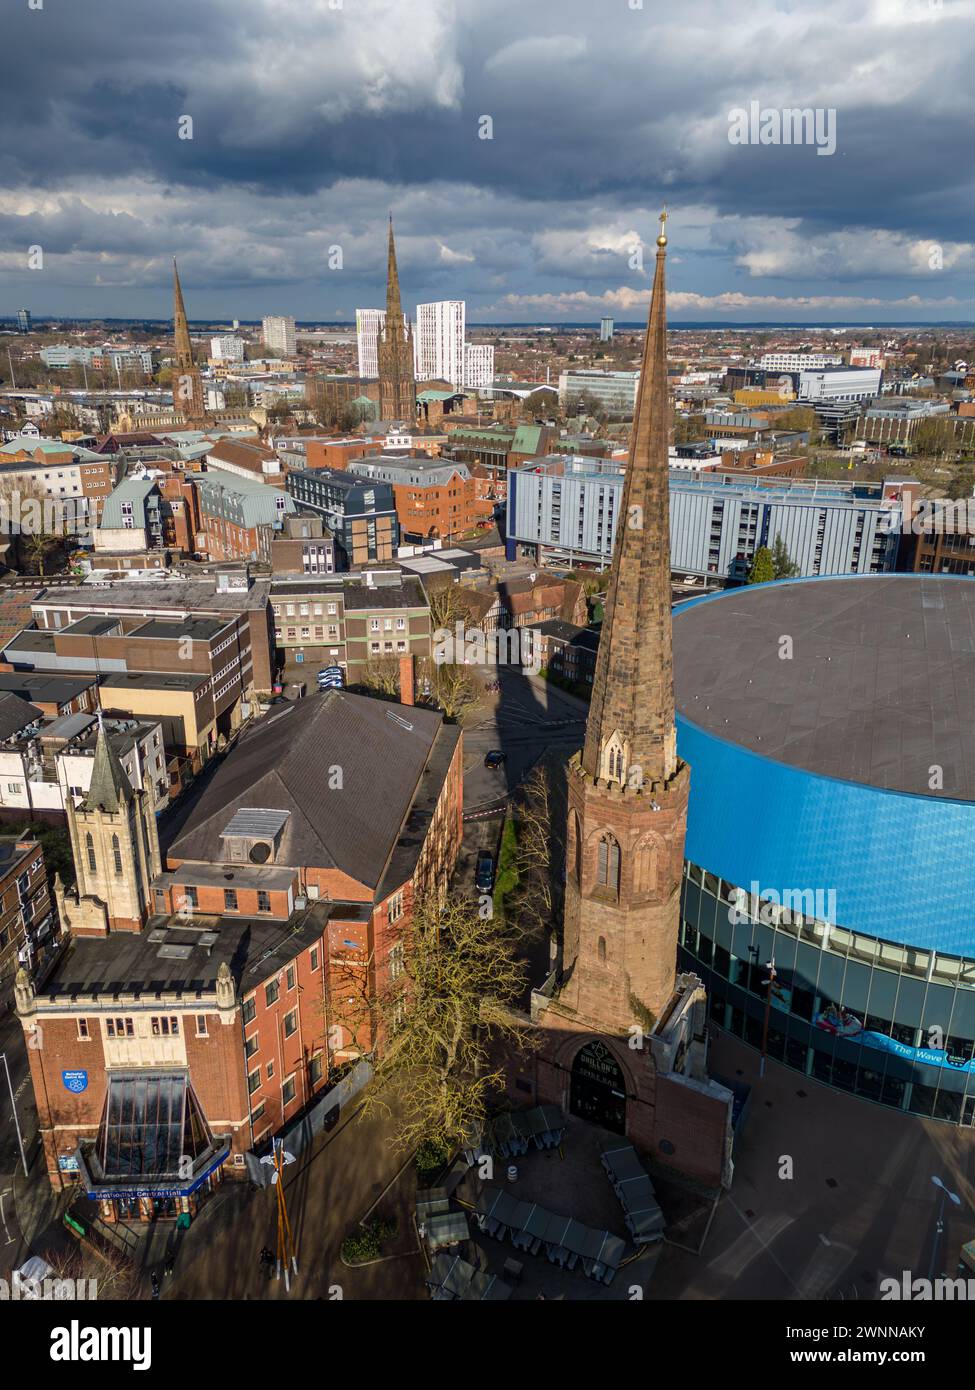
662,238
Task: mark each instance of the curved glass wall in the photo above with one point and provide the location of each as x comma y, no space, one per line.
888,1022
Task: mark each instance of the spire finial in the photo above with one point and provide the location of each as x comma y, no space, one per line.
662,238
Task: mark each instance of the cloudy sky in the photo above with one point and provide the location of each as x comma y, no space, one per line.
312,119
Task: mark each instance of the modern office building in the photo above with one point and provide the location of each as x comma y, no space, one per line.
566,509
359,512
830,829
606,327
25,323
438,341
278,333
798,361
614,391
368,325
839,384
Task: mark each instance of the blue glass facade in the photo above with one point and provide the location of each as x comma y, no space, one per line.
874,988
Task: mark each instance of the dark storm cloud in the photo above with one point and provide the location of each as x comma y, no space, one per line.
310,117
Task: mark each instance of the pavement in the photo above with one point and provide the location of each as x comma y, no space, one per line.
830,1195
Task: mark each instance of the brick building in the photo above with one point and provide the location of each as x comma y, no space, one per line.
304,545
349,620
26,910
434,498
239,515
207,1000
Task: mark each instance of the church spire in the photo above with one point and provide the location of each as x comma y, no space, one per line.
393,307
630,734
187,384
394,350
110,786
181,331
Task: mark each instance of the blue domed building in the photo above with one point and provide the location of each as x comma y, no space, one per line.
830,729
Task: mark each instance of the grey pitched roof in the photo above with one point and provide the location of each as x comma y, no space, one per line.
15,714
346,767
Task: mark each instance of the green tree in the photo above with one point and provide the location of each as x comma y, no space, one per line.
783,566
762,569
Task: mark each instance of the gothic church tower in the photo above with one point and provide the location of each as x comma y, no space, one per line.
115,845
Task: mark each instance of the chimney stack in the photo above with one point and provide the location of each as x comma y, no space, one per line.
406,679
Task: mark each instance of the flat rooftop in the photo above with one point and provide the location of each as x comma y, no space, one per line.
877,691
145,963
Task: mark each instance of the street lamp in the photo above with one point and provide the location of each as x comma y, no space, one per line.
939,1228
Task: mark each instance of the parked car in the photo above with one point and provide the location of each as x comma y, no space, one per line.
484,873
495,758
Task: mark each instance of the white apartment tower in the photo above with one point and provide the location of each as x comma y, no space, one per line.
368,325
227,348
439,341
478,366
278,333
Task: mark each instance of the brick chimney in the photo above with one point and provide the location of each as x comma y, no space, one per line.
406,679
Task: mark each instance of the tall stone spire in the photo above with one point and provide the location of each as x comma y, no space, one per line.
630,734
187,385
394,309
394,349
110,787
627,791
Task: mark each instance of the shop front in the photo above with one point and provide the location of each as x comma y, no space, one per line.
154,1157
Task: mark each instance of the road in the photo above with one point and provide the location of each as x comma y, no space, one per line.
13,1250
529,717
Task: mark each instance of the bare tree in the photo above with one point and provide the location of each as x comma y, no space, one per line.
447,685
441,1021
448,606
382,675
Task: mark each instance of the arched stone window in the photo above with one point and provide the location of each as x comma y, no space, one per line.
117,854
601,950
608,863
613,760
90,850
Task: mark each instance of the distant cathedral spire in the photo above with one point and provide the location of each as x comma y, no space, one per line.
394,349
187,384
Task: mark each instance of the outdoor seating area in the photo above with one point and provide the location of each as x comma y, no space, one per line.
567,1242
631,1183
509,1135
437,1224
452,1279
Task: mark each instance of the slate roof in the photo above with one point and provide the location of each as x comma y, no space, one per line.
15,714
288,763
